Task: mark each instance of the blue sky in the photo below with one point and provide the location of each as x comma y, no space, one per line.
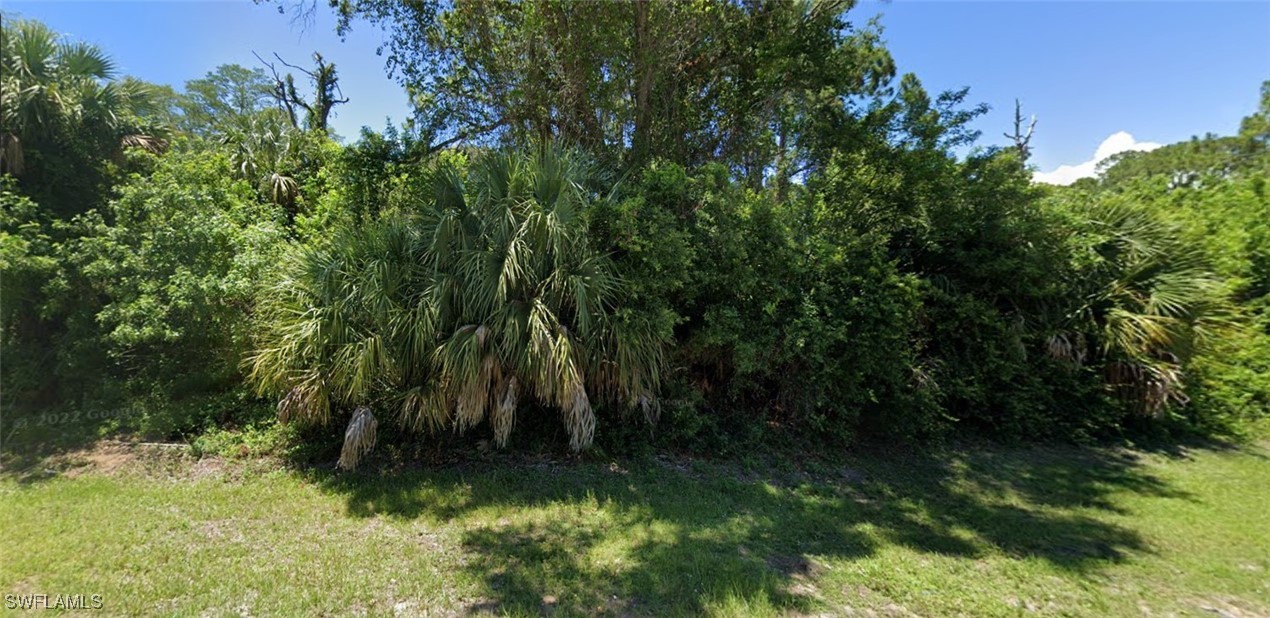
1160,71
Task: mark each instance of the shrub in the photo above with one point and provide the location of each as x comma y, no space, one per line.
453,314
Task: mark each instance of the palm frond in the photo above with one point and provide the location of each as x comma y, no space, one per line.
11,157
1149,297
459,313
148,143
359,438
82,60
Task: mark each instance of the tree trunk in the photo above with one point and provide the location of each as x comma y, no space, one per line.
640,140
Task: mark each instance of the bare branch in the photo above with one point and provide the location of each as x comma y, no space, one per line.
465,135
1022,139
280,93
292,66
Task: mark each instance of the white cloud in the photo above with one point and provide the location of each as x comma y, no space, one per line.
1116,144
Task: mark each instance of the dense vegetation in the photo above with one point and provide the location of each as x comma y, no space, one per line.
730,225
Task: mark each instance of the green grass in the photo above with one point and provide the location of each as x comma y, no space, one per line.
974,532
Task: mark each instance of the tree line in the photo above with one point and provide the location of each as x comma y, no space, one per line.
706,225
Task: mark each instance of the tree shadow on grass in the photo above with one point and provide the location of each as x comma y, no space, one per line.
664,539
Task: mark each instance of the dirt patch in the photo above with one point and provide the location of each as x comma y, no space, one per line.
128,458
102,458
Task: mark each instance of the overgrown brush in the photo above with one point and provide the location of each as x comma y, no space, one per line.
489,297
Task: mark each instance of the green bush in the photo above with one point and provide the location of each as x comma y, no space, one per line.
491,294
778,328
147,300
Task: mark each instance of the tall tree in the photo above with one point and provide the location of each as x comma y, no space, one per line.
223,96
1022,138
629,81
326,92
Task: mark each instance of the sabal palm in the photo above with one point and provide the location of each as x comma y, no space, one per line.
262,148
1148,300
53,88
490,295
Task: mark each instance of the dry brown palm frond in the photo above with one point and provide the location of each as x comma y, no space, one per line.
282,189
424,407
289,405
650,406
503,415
359,438
306,402
148,143
11,159
1066,347
924,378
579,418
474,394
1150,388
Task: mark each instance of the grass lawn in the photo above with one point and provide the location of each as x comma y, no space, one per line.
977,532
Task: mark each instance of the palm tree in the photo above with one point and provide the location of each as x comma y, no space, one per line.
490,295
1148,301
263,147
53,90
